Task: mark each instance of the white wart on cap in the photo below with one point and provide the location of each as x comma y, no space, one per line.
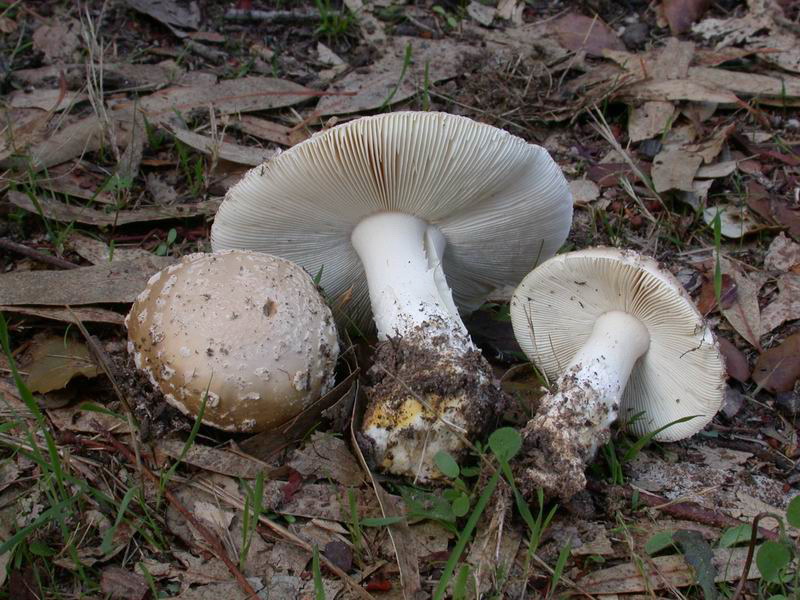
623,338
394,211
249,330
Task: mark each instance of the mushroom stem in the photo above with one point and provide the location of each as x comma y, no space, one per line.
430,386
402,256
571,424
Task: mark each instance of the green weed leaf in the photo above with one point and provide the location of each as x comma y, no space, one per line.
771,558
793,512
659,542
698,555
505,443
446,464
735,535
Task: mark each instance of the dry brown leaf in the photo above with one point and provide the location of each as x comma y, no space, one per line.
327,457
169,12
121,584
53,209
716,170
269,130
58,41
735,222
82,314
778,368
21,128
747,84
649,120
663,572
374,85
735,361
680,14
679,89
710,148
320,501
783,254
55,361
50,100
584,191
98,253
115,75
74,418
743,313
786,307
675,169
578,32
73,140
86,285
243,155
216,460
246,94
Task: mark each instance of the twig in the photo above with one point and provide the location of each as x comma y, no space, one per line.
274,16
7,244
212,540
751,549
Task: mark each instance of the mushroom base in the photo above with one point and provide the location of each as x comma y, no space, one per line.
562,439
426,397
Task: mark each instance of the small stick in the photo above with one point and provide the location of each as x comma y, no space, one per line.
274,16
7,244
751,548
211,539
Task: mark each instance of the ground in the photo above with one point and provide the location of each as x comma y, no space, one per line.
124,125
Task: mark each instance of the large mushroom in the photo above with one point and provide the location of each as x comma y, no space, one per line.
248,332
393,211
624,339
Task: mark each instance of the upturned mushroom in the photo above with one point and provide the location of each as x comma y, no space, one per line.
393,210
248,332
624,339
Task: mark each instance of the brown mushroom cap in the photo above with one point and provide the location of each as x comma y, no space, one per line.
249,329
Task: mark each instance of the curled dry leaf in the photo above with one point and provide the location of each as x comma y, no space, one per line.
743,313
675,169
735,222
735,361
783,254
649,120
243,155
778,368
55,361
786,307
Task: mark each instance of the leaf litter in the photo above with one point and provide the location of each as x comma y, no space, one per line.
703,130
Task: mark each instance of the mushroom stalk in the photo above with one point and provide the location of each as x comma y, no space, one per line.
402,255
574,422
430,385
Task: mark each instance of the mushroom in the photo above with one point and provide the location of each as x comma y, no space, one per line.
248,332
624,339
392,210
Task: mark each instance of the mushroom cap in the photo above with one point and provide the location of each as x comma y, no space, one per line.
250,329
682,374
501,203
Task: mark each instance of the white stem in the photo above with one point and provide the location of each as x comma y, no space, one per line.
402,256
604,363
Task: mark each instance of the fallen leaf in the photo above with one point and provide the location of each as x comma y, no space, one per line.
118,282
243,155
584,191
481,13
327,457
77,419
98,253
57,41
707,301
246,94
73,140
716,170
675,169
578,32
680,14
735,222
169,12
50,100
216,460
665,572
679,89
82,314
748,84
778,368
744,314
735,361
773,208
783,254
121,584
649,120
55,361
339,554
786,307
710,148
267,130
371,87
59,211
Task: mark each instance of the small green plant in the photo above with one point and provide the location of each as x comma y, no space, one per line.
319,588
192,169
253,509
400,79
451,20
163,247
332,23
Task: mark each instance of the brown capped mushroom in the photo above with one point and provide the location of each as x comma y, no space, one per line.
248,330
